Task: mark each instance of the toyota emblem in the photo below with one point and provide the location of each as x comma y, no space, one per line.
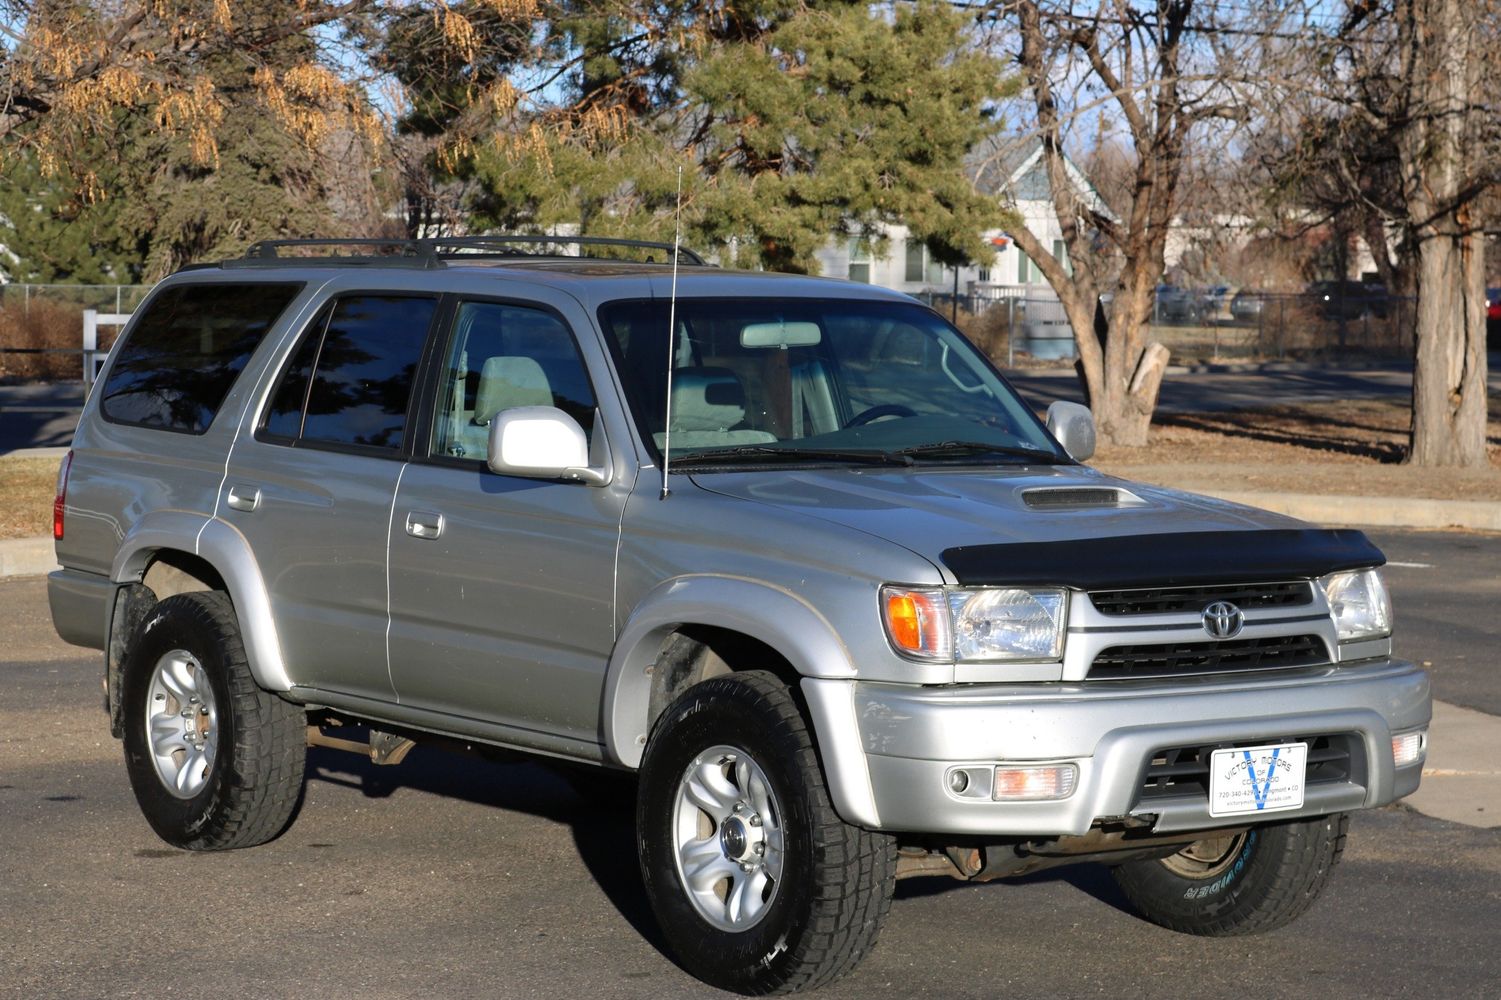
1223,620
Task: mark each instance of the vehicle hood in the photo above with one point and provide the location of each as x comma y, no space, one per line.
935,511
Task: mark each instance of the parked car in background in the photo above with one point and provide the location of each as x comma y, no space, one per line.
1176,305
1246,306
1493,319
1350,299
1214,303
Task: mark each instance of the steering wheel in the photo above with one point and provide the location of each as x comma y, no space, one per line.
877,412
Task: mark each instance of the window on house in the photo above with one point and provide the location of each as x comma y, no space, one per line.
859,261
917,259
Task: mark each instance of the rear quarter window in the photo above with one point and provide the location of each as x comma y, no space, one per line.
185,351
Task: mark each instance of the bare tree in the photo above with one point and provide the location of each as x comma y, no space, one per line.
1167,70
1445,173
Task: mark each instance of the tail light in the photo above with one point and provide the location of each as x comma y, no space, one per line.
60,503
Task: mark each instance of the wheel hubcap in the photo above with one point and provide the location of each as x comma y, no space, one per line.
182,723
727,838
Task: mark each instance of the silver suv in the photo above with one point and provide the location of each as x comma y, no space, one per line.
789,549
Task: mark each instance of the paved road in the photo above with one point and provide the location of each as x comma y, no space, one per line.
43,416
456,876
1228,392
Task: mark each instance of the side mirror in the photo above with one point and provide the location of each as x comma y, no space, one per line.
542,442
1073,426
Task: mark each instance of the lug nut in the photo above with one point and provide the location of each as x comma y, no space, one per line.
755,819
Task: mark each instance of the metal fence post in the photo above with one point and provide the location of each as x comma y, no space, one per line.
1011,331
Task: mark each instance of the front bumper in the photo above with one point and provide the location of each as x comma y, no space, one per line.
909,737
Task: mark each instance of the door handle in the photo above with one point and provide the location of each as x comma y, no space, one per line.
421,524
246,498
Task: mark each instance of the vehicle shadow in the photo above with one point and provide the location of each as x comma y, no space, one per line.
1091,879
597,806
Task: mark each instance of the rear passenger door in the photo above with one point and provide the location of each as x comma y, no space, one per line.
311,488
502,587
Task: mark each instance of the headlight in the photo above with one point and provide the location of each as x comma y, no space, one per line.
1362,607
986,624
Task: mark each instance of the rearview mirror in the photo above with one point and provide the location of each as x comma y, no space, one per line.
1073,426
542,442
781,334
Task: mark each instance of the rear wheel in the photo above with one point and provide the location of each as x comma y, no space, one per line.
758,884
1239,883
215,762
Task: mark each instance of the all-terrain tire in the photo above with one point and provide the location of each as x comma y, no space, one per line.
1266,878
835,883
251,786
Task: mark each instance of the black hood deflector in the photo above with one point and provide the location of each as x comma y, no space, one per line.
1177,559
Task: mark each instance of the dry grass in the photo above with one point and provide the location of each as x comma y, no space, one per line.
27,486
1347,448
44,325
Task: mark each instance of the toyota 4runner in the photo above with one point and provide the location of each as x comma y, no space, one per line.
789,549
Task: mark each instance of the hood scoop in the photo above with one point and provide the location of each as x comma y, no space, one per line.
1079,497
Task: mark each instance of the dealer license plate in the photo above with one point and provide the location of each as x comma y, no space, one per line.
1250,780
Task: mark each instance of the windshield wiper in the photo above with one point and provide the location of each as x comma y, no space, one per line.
959,449
777,453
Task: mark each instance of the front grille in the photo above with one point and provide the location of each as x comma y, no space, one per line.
1178,771
1168,600
1180,658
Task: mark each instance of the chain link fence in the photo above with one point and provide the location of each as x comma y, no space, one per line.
41,326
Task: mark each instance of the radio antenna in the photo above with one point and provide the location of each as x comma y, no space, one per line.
672,329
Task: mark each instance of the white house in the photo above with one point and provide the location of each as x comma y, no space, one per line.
1018,177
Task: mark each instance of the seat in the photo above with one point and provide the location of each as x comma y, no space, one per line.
505,382
708,405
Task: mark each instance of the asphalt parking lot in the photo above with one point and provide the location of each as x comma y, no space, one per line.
456,876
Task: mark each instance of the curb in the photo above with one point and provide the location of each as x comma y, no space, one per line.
1379,512
27,557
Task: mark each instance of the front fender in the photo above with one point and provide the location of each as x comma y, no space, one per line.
775,616
227,551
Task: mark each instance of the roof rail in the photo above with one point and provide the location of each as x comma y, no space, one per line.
383,253
506,245
432,252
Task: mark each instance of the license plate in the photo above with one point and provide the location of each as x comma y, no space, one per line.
1250,780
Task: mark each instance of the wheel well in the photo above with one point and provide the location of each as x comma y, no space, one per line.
695,653
170,572
173,572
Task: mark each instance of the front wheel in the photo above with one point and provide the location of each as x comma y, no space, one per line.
758,884
1240,883
215,761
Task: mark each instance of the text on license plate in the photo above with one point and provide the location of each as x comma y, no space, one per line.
1249,780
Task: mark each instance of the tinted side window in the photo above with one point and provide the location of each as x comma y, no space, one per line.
362,375
502,356
185,351
284,417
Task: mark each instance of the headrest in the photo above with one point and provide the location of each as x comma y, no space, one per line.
706,399
506,382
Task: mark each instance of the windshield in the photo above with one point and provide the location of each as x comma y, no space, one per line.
760,381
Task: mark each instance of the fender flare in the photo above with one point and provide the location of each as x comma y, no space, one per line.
775,616
224,548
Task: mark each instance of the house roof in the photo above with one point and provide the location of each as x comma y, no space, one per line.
1013,170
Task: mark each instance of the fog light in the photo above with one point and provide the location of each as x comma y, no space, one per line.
1409,748
1036,783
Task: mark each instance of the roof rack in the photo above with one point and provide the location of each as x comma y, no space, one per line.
434,252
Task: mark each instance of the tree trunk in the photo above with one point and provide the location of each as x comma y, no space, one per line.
1448,377
1441,59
